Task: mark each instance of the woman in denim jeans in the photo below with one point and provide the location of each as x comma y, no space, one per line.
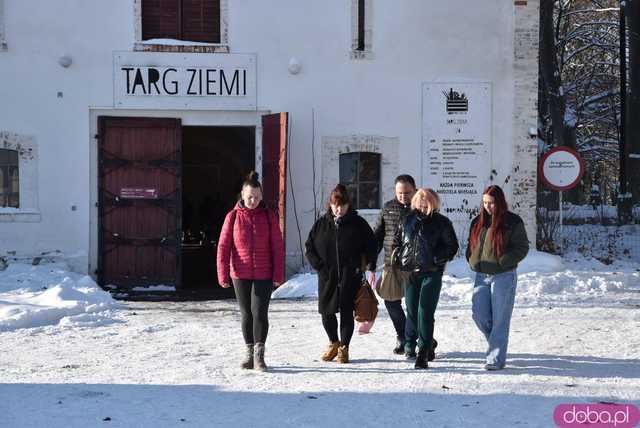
497,243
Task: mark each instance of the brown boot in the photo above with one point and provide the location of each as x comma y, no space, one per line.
343,354
331,352
247,363
258,358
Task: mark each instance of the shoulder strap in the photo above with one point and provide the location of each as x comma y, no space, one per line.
267,211
233,221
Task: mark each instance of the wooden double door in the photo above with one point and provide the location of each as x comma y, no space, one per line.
140,196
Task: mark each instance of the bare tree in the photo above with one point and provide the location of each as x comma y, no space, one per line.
579,88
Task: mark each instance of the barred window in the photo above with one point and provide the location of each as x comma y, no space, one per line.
360,27
189,20
360,173
9,184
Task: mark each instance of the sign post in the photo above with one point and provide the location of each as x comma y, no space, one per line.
561,223
560,169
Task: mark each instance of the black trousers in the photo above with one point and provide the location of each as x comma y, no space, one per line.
398,318
346,303
253,296
347,325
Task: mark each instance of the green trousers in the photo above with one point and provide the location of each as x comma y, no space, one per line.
422,292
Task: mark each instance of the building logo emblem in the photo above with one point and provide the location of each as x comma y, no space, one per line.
457,103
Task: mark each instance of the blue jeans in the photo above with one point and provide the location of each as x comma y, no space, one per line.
492,306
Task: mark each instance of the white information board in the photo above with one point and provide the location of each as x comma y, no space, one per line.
456,147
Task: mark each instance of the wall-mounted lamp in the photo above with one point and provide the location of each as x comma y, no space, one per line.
65,61
294,66
533,132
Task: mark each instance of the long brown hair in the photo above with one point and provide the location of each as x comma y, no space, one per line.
497,228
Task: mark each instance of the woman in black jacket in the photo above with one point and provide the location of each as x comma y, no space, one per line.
424,243
339,245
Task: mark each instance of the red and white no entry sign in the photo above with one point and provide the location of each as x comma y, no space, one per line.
561,168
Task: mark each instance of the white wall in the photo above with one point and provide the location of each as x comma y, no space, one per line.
413,42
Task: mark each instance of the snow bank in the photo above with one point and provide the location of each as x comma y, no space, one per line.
587,212
536,261
541,276
306,284
174,42
37,296
302,285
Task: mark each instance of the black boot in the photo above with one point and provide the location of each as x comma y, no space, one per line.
258,358
432,350
421,359
409,351
247,363
399,349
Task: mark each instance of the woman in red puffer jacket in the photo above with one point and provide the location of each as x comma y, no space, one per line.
251,256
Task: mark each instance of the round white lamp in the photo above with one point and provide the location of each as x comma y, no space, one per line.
294,66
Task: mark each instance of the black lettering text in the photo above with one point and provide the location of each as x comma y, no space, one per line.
153,76
193,75
138,81
211,81
235,82
127,70
173,82
244,82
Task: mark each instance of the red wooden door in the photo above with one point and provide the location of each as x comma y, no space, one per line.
274,164
139,205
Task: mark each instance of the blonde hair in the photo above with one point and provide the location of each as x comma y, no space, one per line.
429,196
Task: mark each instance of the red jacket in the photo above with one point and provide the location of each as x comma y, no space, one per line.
250,245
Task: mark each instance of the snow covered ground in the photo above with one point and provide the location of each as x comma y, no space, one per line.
574,339
36,296
588,212
605,243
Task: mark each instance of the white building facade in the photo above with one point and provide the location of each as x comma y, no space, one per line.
444,91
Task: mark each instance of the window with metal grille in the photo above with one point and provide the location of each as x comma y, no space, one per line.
9,184
361,29
361,15
3,42
360,173
188,20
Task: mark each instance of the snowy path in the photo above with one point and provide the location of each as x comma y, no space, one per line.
175,364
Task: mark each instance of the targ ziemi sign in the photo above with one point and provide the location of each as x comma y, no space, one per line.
184,81
456,147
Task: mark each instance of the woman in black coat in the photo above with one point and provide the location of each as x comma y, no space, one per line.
340,245
424,243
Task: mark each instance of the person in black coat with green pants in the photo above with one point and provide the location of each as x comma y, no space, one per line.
424,243
340,246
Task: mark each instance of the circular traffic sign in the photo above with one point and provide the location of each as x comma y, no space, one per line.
561,168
